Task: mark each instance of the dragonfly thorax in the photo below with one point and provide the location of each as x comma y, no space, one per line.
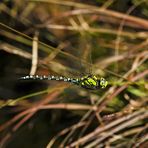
92,82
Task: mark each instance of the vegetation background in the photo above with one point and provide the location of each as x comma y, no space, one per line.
73,38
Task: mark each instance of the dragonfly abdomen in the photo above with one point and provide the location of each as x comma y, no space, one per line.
43,77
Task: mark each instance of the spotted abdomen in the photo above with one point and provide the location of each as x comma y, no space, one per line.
56,78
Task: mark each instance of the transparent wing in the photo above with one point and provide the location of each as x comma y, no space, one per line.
85,53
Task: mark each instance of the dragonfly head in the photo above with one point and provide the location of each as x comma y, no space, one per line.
103,83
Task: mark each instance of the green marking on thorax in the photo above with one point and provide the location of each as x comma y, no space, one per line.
92,81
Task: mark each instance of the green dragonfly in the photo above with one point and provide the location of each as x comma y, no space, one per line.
87,81
91,82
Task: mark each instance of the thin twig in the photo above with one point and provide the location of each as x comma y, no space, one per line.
34,54
99,130
141,22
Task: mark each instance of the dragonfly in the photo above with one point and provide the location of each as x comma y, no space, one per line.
91,82
87,81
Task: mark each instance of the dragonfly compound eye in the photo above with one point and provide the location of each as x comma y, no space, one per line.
103,83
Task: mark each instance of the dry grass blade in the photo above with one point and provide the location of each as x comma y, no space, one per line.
110,13
34,54
131,119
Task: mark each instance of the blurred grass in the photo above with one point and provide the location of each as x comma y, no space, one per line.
74,38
